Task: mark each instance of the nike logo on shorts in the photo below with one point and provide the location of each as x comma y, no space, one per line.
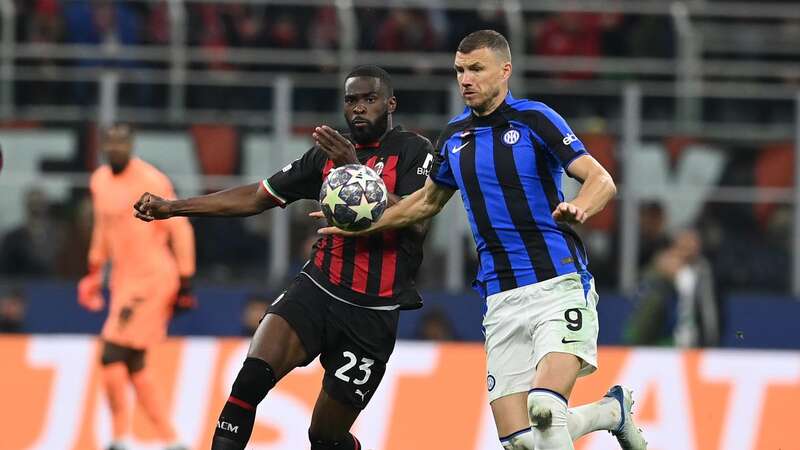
565,341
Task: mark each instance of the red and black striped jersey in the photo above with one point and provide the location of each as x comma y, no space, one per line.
375,271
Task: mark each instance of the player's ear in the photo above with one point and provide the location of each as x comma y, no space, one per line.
507,69
392,104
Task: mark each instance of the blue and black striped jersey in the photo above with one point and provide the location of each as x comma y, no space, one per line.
508,167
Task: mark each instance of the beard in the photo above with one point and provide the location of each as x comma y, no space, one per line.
487,102
117,166
371,132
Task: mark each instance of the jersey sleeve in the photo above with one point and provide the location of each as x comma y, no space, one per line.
441,172
559,139
415,166
300,179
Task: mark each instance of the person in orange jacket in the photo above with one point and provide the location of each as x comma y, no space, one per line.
151,269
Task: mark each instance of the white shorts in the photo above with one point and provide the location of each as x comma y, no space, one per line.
524,324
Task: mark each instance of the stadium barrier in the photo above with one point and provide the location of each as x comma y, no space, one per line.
432,397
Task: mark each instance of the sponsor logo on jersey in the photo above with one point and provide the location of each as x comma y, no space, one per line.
569,139
378,167
511,137
426,166
227,426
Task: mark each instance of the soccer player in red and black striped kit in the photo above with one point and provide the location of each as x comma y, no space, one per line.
344,304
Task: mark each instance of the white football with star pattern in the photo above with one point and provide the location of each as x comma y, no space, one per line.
353,197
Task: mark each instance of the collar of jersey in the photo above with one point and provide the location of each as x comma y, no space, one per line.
497,118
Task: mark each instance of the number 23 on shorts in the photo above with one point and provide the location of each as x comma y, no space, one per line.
362,373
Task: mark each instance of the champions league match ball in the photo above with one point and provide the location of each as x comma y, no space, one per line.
353,197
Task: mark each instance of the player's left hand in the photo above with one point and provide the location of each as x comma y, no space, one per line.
569,213
186,300
336,146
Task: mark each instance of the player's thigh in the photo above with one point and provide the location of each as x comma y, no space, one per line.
332,419
565,338
358,344
510,413
290,334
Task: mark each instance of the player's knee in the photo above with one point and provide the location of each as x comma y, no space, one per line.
319,442
546,408
521,440
254,380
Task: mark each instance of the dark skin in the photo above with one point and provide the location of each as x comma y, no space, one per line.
117,147
368,109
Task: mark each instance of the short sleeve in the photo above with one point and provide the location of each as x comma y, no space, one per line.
300,179
415,166
441,172
557,136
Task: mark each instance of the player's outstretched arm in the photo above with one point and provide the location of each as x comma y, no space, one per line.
235,202
422,204
597,189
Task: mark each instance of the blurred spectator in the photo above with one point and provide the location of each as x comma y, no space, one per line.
30,249
248,25
406,30
324,30
284,33
652,231
101,23
158,25
43,25
652,37
254,309
570,34
676,303
108,25
488,15
614,31
72,255
12,311
435,325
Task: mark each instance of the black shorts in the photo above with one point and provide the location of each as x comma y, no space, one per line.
132,357
353,343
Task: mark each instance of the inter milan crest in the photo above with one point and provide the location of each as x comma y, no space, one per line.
490,382
511,137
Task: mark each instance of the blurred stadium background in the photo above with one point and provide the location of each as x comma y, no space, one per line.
694,106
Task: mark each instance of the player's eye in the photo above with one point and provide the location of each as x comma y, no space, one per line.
372,99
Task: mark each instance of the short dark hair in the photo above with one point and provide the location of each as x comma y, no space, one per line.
486,39
374,71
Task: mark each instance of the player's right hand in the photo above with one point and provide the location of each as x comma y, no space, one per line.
152,207
89,295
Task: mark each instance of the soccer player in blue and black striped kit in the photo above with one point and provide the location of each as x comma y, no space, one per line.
506,157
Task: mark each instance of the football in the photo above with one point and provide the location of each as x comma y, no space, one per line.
353,197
